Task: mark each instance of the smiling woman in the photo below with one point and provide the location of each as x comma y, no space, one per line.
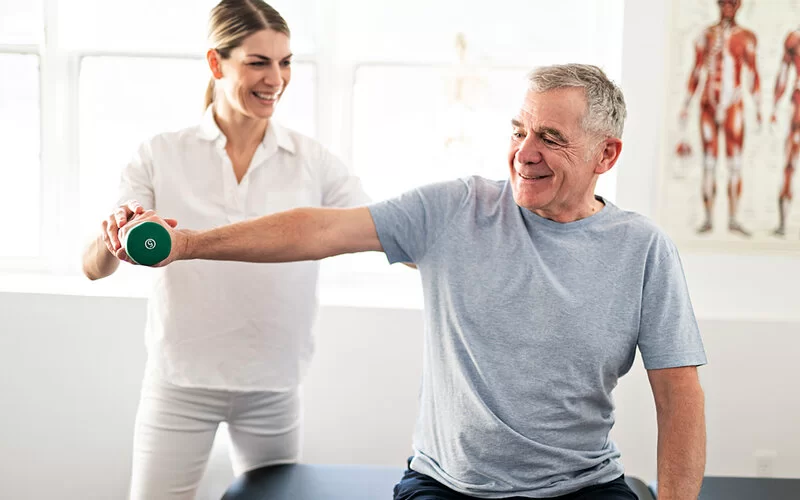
226,342
238,45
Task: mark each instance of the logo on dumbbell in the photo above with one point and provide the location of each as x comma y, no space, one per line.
149,243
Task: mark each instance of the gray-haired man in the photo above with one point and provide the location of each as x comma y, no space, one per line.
537,293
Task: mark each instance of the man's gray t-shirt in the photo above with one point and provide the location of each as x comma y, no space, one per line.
529,324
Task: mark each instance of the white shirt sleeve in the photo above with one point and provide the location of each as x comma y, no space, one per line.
136,181
339,187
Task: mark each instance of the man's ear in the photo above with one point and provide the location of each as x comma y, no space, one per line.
609,154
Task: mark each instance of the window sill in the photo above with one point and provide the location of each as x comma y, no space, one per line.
371,291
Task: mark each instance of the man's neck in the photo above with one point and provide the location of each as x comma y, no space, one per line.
582,211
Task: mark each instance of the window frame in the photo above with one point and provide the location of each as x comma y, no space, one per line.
34,262
59,77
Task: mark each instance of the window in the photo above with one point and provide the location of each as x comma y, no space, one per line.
437,105
21,23
406,93
21,32
415,125
155,26
20,166
118,113
449,117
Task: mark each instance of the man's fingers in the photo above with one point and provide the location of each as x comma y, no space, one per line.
124,212
135,207
171,222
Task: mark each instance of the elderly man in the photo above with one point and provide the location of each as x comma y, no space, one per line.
537,293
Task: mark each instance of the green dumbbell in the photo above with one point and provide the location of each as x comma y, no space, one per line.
148,243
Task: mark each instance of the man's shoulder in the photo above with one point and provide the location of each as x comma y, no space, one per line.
630,218
485,194
638,229
484,185
474,187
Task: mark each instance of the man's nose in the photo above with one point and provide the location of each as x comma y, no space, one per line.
528,152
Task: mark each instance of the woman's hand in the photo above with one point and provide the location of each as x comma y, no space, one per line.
114,222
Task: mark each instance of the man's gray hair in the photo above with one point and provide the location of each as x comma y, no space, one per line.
605,105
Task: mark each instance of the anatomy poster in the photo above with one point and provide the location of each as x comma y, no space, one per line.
732,134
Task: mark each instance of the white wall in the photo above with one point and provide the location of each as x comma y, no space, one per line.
722,286
70,368
70,372
746,304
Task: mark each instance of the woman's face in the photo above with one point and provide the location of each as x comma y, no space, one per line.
255,75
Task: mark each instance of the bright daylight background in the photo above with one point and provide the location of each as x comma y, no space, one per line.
406,93
383,84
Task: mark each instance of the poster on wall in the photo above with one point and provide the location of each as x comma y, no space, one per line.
732,131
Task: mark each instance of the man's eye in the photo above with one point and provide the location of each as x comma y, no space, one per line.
549,142
518,135
259,63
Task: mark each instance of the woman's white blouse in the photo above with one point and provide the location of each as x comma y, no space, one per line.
230,325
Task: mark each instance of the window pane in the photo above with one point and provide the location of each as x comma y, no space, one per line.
509,32
21,22
149,96
170,26
20,165
438,124
417,125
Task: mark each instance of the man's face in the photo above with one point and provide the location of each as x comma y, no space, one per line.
552,170
728,8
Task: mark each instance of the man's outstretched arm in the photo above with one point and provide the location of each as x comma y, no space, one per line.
294,235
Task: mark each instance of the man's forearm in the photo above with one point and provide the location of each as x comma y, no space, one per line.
681,448
294,235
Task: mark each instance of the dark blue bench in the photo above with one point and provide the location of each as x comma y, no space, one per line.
746,488
333,482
